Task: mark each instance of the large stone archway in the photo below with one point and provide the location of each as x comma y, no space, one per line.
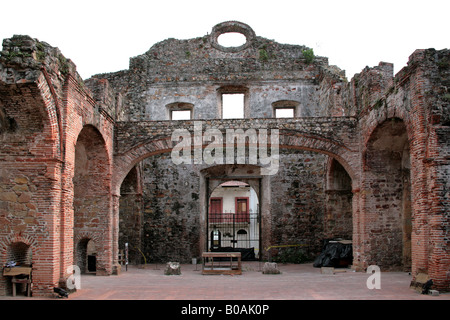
316,136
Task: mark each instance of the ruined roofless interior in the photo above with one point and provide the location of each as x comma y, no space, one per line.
88,165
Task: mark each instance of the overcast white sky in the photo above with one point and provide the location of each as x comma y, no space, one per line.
101,35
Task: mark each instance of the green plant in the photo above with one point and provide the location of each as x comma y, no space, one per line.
63,64
263,55
40,51
308,54
13,54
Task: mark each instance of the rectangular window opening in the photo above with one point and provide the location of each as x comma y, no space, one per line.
284,112
181,115
233,106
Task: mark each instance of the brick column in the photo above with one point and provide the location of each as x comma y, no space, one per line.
116,267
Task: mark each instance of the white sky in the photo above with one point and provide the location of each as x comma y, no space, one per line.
101,35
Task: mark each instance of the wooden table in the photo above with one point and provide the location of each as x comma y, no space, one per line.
19,271
221,263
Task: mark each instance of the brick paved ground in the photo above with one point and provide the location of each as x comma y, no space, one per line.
297,282
296,291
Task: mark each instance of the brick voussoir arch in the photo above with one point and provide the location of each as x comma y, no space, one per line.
94,236
26,239
288,139
304,141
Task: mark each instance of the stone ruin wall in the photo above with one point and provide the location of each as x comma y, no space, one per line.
404,185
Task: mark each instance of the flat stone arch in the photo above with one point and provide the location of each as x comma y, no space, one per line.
213,176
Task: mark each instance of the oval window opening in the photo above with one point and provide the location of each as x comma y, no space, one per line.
231,39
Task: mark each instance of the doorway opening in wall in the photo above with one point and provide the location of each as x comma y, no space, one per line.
233,220
233,105
388,166
87,256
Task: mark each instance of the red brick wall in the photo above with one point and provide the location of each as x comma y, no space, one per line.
43,111
411,97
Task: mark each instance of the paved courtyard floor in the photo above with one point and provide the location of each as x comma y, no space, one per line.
296,282
300,289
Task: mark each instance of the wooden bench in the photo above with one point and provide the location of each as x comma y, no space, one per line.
19,271
221,263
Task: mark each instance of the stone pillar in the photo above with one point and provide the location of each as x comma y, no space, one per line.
359,257
116,267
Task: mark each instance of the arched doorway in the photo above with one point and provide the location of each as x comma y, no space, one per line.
91,202
388,195
86,256
233,220
130,216
338,220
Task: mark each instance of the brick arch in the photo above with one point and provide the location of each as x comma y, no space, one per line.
380,119
80,253
92,206
52,110
87,235
289,139
8,241
387,198
346,156
92,131
32,109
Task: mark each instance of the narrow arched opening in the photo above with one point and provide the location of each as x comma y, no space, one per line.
388,195
86,258
130,217
338,222
91,201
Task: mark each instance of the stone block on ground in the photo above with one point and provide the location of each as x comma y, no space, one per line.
270,268
433,292
327,270
172,268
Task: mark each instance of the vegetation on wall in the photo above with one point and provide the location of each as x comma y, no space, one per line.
309,56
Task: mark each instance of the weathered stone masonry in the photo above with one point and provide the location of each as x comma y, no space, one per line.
85,166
